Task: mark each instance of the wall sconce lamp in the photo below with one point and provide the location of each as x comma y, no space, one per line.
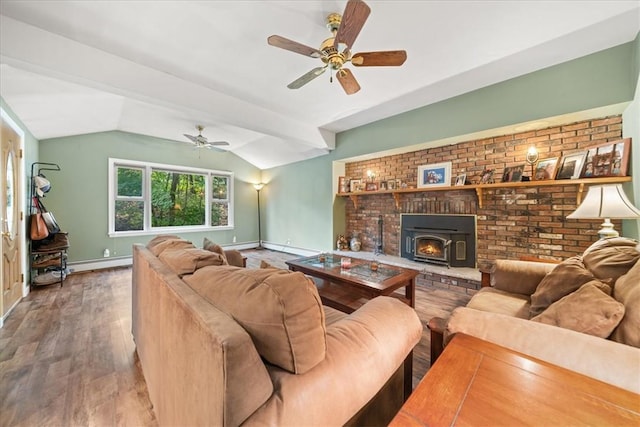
532,158
606,202
259,186
371,175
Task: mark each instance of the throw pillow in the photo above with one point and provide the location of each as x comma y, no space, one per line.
627,291
280,310
588,310
611,258
565,278
208,245
176,243
161,238
187,261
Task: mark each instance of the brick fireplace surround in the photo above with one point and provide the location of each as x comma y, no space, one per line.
513,221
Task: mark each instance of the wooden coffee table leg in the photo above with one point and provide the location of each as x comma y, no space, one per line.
410,292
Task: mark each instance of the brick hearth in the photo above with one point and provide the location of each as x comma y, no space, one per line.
512,221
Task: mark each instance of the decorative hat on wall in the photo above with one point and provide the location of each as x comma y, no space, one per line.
42,184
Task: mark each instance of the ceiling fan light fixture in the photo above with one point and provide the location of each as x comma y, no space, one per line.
336,50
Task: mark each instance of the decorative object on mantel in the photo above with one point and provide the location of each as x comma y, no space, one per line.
513,173
487,176
571,166
355,244
435,175
532,158
342,244
610,159
606,202
461,179
546,169
355,185
343,184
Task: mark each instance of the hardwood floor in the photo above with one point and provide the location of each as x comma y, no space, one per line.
67,357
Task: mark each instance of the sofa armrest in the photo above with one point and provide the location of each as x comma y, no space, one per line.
602,359
518,277
364,350
437,326
235,258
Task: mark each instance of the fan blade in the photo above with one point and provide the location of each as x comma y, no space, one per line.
296,47
218,143
306,78
192,138
348,82
355,15
392,58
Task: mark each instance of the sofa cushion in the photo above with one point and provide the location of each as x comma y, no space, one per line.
168,243
611,258
281,310
209,245
519,277
564,279
498,301
627,291
187,261
588,310
161,238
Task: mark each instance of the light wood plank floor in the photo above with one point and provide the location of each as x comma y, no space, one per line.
67,357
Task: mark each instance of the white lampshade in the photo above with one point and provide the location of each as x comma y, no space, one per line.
606,201
258,186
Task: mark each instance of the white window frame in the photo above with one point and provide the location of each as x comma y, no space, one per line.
147,168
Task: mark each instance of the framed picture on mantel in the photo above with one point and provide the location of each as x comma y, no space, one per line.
610,159
434,175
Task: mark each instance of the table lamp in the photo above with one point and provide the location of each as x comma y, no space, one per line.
606,202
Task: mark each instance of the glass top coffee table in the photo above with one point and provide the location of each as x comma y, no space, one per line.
347,288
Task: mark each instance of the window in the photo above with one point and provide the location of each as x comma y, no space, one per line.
151,198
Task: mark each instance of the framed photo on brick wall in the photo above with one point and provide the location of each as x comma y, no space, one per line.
513,173
571,165
434,175
546,169
610,159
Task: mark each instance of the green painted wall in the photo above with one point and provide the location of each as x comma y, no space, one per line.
631,128
601,79
79,194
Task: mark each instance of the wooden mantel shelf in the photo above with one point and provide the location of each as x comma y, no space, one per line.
479,188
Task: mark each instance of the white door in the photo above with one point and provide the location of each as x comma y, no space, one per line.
12,217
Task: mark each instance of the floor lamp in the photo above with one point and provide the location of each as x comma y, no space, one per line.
259,187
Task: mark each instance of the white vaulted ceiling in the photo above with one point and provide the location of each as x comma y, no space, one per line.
160,67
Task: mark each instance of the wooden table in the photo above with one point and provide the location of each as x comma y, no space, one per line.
348,289
477,383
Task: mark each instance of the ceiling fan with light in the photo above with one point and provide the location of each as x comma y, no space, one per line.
200,141
335,51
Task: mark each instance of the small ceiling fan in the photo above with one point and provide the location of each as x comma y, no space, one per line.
200,141
335,51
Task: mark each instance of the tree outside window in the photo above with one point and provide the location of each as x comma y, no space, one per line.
172,198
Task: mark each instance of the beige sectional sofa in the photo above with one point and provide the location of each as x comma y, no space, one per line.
224,345
582,314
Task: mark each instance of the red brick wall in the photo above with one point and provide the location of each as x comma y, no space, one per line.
512,221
